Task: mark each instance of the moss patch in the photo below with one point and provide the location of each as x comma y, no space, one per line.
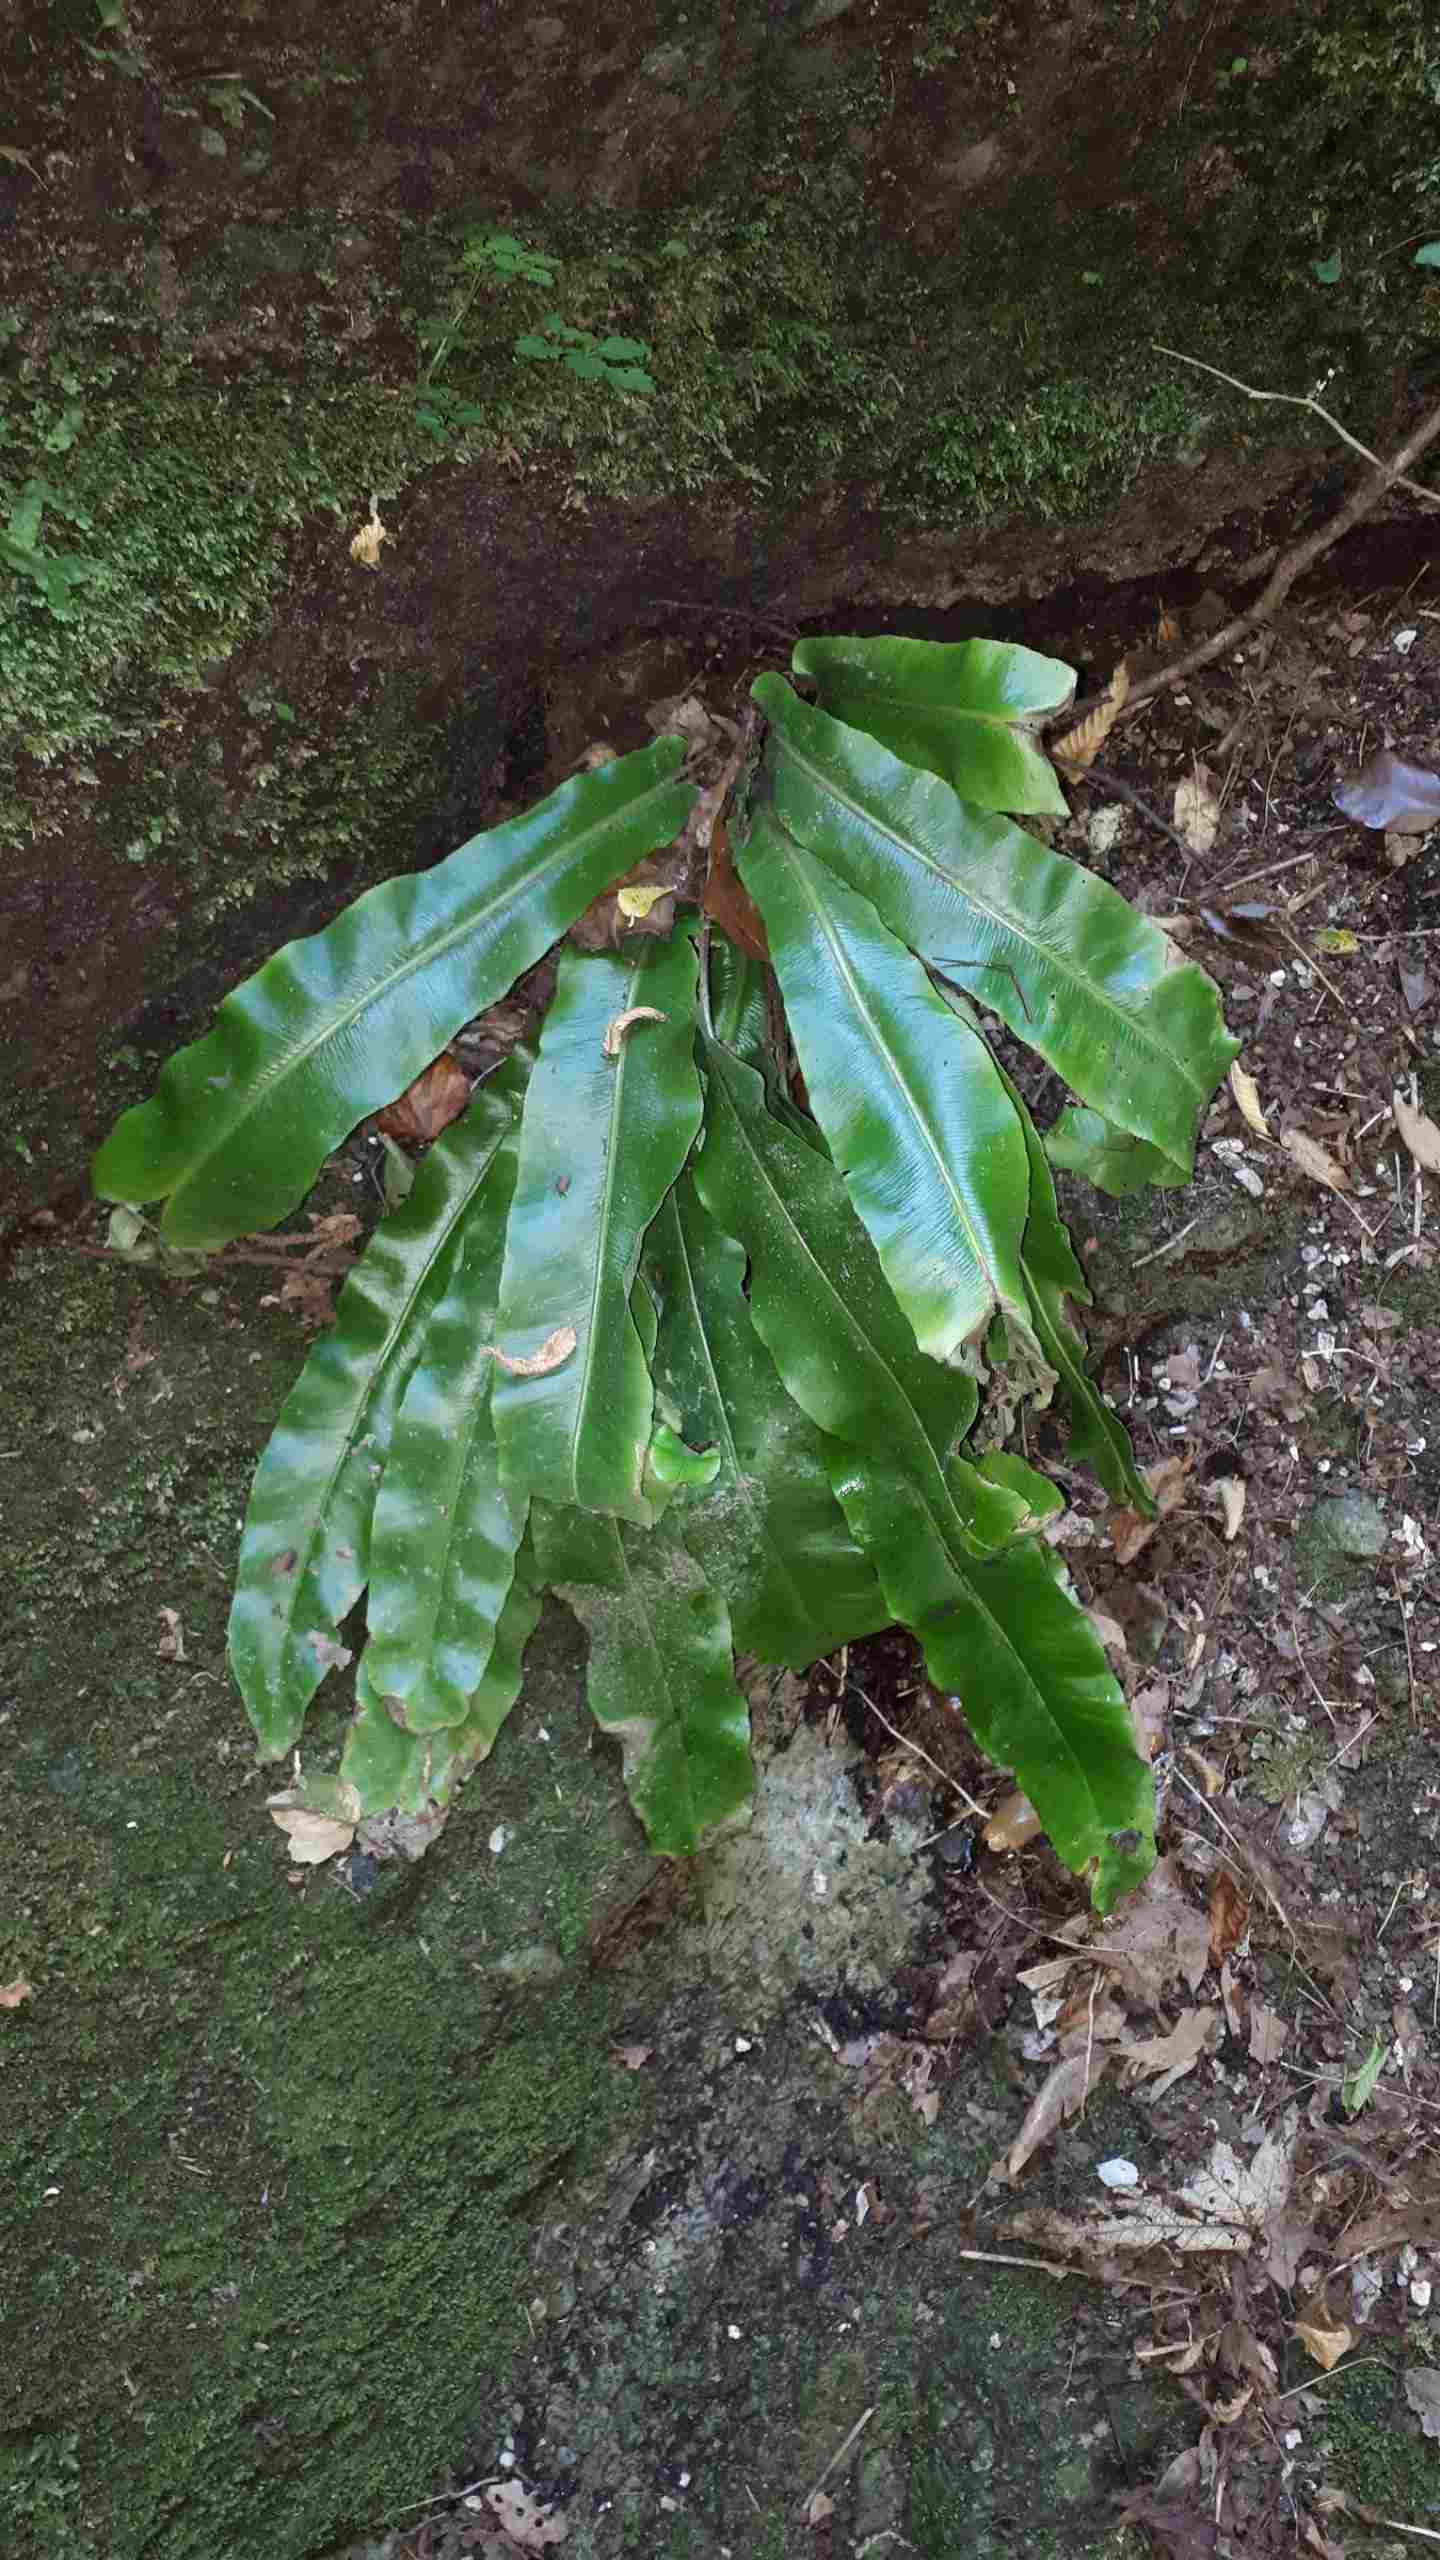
272,2148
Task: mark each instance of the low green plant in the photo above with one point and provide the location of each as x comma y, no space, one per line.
725,1372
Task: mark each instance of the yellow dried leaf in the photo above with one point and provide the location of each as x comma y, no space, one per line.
1081,745
1315,1160
1324,2345
1197,811
623,1022
637,902
314,1837
554,1351
1013,1822
1420,1134
365,545
1247,1094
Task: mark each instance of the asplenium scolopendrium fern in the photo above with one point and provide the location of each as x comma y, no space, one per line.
648,1334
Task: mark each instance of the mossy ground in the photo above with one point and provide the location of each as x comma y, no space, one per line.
271,2150
833,290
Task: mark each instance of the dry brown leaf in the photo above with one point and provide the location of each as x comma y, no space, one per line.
314,1837
1229,1915
1167,629
1062,2095
1315,1160
365,545
1196,813
1269,2034
1013,1823
171,1647
1422,2390
1157,1939
437,1096
1081,745
1223,2209
12,1993
530,2524
1247,1095
634,2056
819,2509
1231,1490
554,1351
727,900
1166,2059
1420,1134
1129,1530
615,1031
1324,2345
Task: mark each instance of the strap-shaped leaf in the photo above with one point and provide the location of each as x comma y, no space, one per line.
1007,1638
909,1098
998,1630
1098,990
305,1553
445,1534
830,1322
766,1528
1052,1275
610,1117
389,1766
661,1676
333,1027
961,709
1084,1142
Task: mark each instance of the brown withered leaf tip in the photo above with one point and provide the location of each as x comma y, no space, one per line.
437,1096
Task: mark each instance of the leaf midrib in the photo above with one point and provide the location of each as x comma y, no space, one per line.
868,1349
759,1512
978,1251
294,1058
907,848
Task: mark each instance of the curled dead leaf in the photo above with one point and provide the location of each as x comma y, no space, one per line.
365,545
529,2524
1315,1160
13,1993
1323,2344
1228,1915
1420,1134
1081,745
1013,1823
314,1837
1247,1094
1062,2095
615,1031
554,1351
1130,1531
171,1647
1231,1493
437,1096
1197,811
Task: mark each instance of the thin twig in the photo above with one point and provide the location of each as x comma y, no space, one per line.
1409,1649
1169,1244
1291,566
1303,400
1121,790
836,2458
922,1754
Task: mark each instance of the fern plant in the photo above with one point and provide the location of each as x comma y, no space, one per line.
725,1372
